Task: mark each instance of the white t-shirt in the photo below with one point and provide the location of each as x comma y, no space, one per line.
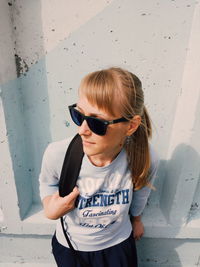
101,218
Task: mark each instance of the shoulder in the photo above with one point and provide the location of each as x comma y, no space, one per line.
57,149
54,155
59,146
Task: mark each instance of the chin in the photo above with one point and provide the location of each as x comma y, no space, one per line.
90,151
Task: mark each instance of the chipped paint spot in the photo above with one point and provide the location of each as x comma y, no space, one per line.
67,124
21,65
194,206
3,228
167,37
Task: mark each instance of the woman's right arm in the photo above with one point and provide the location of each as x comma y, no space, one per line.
54,205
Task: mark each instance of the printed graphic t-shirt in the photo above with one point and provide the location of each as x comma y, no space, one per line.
101,218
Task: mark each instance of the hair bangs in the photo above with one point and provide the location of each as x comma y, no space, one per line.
100,89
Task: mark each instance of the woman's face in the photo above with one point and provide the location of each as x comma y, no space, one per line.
98,147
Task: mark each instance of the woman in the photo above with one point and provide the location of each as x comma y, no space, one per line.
115,175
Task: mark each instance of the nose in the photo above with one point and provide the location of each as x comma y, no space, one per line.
84,129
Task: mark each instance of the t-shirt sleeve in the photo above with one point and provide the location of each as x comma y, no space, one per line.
48,178
140,197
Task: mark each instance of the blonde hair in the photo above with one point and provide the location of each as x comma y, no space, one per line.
107,87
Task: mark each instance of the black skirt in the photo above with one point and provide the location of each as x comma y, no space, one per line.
121,255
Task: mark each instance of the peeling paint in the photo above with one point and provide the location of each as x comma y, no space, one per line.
194,206
21,65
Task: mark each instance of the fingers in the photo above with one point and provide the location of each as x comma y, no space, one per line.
137,238
76,190
138,229
73,195
138,234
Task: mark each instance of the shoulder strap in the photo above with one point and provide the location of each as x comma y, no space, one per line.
71,166
69,175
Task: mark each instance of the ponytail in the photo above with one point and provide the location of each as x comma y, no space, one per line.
137,149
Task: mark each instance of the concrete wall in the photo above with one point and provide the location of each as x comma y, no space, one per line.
46,47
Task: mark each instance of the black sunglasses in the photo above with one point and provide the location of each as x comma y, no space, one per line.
97,126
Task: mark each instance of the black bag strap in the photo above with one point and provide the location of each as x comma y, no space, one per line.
75,252
69,175
71,166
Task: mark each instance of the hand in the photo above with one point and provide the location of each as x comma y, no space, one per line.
56,206
138,227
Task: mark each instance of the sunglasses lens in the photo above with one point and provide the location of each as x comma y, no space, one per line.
97,126
76,116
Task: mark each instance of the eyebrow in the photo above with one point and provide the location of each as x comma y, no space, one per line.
92,114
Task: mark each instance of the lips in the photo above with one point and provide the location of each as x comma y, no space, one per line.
85,142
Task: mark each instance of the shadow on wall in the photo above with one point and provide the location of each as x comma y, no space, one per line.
177,197
27,115
180,183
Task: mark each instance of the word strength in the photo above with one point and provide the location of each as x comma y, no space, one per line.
103,200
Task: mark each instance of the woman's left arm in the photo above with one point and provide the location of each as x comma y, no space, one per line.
138,204
140,198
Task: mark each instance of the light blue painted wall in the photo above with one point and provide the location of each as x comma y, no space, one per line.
137,36
150,38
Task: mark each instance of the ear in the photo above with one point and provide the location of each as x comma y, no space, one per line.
134,124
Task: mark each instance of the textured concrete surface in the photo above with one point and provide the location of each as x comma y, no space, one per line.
45,49
25,250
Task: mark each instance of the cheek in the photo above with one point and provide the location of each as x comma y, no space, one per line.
117,138
119,131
